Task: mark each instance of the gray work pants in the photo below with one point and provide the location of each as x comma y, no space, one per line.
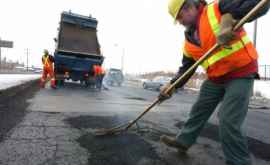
234,98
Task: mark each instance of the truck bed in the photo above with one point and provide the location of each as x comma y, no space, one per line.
78,34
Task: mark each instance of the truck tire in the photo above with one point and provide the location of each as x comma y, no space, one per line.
60,83
144,86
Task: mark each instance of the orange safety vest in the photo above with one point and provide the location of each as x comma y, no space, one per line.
46,62
222,61
97,70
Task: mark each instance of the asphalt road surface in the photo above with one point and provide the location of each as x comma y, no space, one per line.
58,128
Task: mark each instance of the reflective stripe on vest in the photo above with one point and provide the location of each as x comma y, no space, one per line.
226,52
223,52
47,62
213,19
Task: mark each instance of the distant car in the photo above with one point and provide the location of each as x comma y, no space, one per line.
156,83
38,71
114,77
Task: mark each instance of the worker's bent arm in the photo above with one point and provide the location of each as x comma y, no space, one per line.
187,62
239,8
51,58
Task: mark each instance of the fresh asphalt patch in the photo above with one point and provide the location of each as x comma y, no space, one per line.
258,148
119,150
122,149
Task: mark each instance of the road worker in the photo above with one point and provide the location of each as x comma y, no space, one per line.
99,73
231,71
48,69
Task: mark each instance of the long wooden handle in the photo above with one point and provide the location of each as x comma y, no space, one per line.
249,14
193,67
178,80
142,114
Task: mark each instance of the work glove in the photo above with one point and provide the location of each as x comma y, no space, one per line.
226,33
163,95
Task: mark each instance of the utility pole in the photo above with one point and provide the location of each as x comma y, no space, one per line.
122,56
255,33
122,60
0,56
254,43
27,59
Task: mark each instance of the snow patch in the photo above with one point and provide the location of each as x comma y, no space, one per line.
262,88
10,80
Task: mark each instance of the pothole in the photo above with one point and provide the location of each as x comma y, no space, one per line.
93,122
128,148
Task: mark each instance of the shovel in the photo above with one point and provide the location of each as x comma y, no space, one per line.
124,127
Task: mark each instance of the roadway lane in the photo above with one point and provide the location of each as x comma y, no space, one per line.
58,129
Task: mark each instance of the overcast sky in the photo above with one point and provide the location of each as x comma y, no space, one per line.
141,30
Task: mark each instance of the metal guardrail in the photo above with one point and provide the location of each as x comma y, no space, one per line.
264,71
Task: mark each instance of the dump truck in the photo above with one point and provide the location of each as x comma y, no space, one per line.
77,49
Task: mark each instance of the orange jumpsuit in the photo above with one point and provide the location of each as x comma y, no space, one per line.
47,61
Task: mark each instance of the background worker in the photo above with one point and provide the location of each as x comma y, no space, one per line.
99,73
230,70
48,69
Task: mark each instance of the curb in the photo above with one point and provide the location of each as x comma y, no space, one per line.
12,91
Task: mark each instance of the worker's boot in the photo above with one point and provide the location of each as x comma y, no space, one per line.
53,83
42,84
171,142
